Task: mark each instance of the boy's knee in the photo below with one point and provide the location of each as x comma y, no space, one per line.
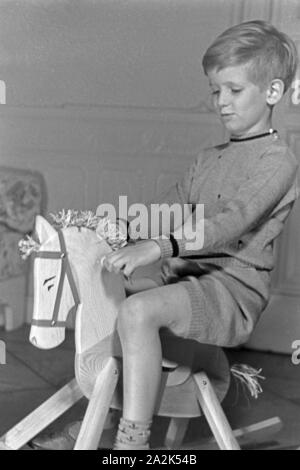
132,316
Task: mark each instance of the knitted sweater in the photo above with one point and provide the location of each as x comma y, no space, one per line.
248,189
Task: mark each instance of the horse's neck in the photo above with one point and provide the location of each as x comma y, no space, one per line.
101,293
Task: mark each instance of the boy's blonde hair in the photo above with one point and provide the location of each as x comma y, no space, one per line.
270,53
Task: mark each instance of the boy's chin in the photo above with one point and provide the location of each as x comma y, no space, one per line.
232,129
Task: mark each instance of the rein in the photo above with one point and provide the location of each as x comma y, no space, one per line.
65,272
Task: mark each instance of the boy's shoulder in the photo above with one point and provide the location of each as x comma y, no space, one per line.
213,150
279,150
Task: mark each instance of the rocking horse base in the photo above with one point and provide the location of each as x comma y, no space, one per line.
94,420
98,408
65,439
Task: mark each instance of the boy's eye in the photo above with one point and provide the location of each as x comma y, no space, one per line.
236,90
215,92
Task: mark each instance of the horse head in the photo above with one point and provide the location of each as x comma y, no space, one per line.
67,274
53,297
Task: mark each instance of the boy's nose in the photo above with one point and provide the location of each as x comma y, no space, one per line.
223,99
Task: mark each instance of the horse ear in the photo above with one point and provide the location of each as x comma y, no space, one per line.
43,229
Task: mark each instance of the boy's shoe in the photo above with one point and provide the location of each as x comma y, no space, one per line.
66,438
57,440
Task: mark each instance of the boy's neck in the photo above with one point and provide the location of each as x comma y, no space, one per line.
254,135
262,127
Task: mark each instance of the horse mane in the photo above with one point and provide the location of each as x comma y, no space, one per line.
104,228
73,218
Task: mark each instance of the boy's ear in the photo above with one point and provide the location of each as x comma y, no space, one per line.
275,91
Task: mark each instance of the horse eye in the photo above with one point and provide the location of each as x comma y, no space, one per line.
49,279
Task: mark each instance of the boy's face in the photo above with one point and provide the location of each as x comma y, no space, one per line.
241,104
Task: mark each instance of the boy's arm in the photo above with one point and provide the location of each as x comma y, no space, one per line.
178,194
270,181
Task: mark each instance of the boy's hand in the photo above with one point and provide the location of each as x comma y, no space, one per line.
130,257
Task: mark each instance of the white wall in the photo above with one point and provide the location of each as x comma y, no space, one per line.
108,52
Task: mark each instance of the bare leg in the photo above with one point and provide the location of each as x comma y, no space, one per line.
139,285
140,318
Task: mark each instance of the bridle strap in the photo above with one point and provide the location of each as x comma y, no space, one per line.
65,272
47,323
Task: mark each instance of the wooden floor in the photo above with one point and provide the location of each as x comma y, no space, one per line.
32,375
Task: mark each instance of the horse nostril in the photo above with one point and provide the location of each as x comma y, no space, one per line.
33,340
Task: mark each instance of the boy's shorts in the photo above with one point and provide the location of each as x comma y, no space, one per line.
226,299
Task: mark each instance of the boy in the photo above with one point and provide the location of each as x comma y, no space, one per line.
215,292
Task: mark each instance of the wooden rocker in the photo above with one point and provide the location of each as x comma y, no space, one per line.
68,276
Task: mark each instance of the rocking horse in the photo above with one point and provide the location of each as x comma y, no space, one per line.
69,276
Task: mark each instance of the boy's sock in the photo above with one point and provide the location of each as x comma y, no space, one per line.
132,435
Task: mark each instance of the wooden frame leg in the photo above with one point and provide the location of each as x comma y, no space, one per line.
214,413
176,432
95,416
42,416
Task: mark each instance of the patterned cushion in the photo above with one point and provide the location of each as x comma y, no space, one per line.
22,196
11,264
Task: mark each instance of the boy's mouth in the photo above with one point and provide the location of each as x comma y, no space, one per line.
226,115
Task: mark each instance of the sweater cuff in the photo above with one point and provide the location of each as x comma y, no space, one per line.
165,245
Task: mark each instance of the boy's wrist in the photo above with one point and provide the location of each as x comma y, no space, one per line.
168,246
